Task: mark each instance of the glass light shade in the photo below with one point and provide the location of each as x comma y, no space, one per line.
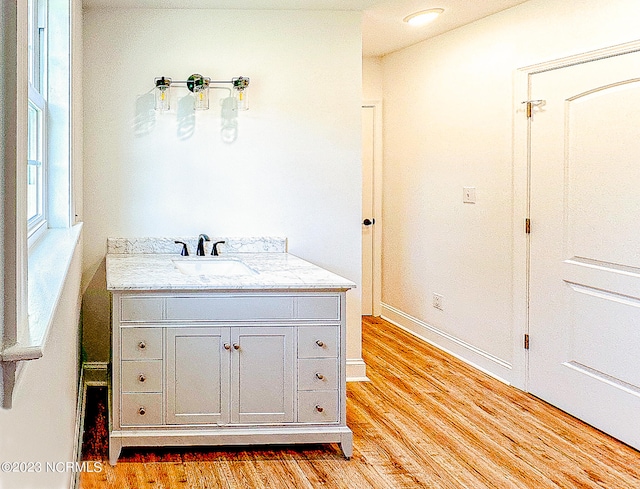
199,85
243,99
240,85
163,94
201,95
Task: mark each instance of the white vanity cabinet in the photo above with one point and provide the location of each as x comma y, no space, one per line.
228,368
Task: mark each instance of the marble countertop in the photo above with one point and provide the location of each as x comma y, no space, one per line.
272,271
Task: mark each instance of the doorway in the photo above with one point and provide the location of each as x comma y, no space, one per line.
371,208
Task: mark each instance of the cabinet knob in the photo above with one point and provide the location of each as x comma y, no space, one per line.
142,411
236,346
227,346
142,345
320,343
319,408
319,376
141,378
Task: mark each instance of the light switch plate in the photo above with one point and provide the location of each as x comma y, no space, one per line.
438,301
469,195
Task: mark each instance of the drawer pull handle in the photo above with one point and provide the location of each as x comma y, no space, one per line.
142,411
319,376
142,345
142,378
319,408
320,343
227,346
236,346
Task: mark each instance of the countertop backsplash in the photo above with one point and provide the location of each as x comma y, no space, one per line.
168,246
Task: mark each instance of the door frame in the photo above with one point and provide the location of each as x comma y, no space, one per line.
522,195
377,204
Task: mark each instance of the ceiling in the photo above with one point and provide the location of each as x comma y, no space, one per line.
383,30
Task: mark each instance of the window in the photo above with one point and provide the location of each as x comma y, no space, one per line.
37,184
36,118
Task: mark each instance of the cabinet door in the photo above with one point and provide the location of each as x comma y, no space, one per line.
197,372
263,370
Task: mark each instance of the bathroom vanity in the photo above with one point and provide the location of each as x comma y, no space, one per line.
242,349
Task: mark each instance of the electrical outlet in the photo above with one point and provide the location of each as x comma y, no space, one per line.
469,195
438,301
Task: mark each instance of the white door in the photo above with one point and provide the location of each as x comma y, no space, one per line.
584,316
368,113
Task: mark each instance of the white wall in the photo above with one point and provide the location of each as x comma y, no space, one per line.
40,427
372,79
294,169
448,122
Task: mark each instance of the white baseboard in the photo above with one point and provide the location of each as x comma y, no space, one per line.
356,370
477,358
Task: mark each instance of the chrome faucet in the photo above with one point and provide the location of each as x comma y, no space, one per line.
201,239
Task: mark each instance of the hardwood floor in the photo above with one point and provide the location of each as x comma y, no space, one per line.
425,420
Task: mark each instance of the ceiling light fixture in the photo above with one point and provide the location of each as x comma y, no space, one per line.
423,17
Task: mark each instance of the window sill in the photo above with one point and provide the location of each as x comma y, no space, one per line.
49,262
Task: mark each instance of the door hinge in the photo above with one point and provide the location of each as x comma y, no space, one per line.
526,341
530,105
527,225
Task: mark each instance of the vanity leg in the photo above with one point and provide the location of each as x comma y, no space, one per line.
115,445
346,444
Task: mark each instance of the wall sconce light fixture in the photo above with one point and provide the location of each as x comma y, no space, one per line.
163,94
200,85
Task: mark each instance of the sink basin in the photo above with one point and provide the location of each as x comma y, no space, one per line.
214,267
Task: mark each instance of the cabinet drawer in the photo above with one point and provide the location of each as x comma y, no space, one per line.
141,308
142,376
318,407
232,308
317,374
323,307
318,342
141,343
141,409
